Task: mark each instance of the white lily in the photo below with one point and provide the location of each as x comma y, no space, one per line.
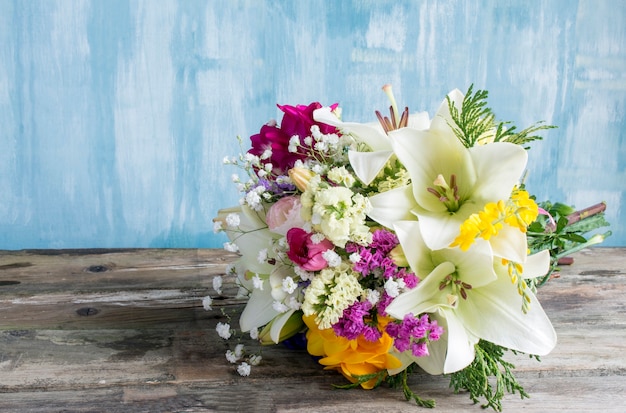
252,236
472,298
260,310
367,165
449,182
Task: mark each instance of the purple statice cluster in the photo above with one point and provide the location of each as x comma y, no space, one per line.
375,260
353,323
414,333
280,186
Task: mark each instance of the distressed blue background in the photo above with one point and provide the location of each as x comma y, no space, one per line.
115,115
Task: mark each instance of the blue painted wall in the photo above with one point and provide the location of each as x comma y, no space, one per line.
115,115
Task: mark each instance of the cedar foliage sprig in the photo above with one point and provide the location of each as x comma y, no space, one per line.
477,121
475,378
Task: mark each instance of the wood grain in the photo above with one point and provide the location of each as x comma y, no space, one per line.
147,345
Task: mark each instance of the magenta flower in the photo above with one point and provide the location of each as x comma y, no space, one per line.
304,252
297,121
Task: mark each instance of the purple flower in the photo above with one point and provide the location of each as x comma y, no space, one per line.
352,323
384,241
414,333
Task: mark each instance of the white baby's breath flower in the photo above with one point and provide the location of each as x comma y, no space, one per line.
294,142
217,284
392,288
321,146
303,274
223,330
317,238
355,257
289,286
231,247
318,169
266,154
257,282
373,296
293,303
308,141
206,303
262,256
254,200
239,350
332,258
279,307
243,369
315,132
255,359
254,333
217,226
231,357
233,220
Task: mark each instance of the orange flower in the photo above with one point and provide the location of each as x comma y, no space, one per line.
350,357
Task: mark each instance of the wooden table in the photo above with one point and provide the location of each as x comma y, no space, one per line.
125,331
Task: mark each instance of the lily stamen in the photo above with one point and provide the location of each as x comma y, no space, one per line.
448,194
395,120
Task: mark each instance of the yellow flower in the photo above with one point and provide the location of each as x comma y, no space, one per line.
518,212
350,357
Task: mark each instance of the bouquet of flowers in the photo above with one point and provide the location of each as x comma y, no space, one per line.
405,242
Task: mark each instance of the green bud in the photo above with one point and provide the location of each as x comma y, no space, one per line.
398,257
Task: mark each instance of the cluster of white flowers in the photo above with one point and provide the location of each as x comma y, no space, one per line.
217,284
238,354
325,148
336,212
334,289
393,288
223,330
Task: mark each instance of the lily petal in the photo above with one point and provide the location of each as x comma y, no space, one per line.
392,206
367,165
499,166
455,348
259,310
426,297
278,324
372,134
415,249
510,243
493,313
537,265
442,119
439,230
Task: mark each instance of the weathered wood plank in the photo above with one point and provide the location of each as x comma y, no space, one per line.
151,346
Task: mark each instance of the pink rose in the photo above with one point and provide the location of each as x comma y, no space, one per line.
284,214
304,252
